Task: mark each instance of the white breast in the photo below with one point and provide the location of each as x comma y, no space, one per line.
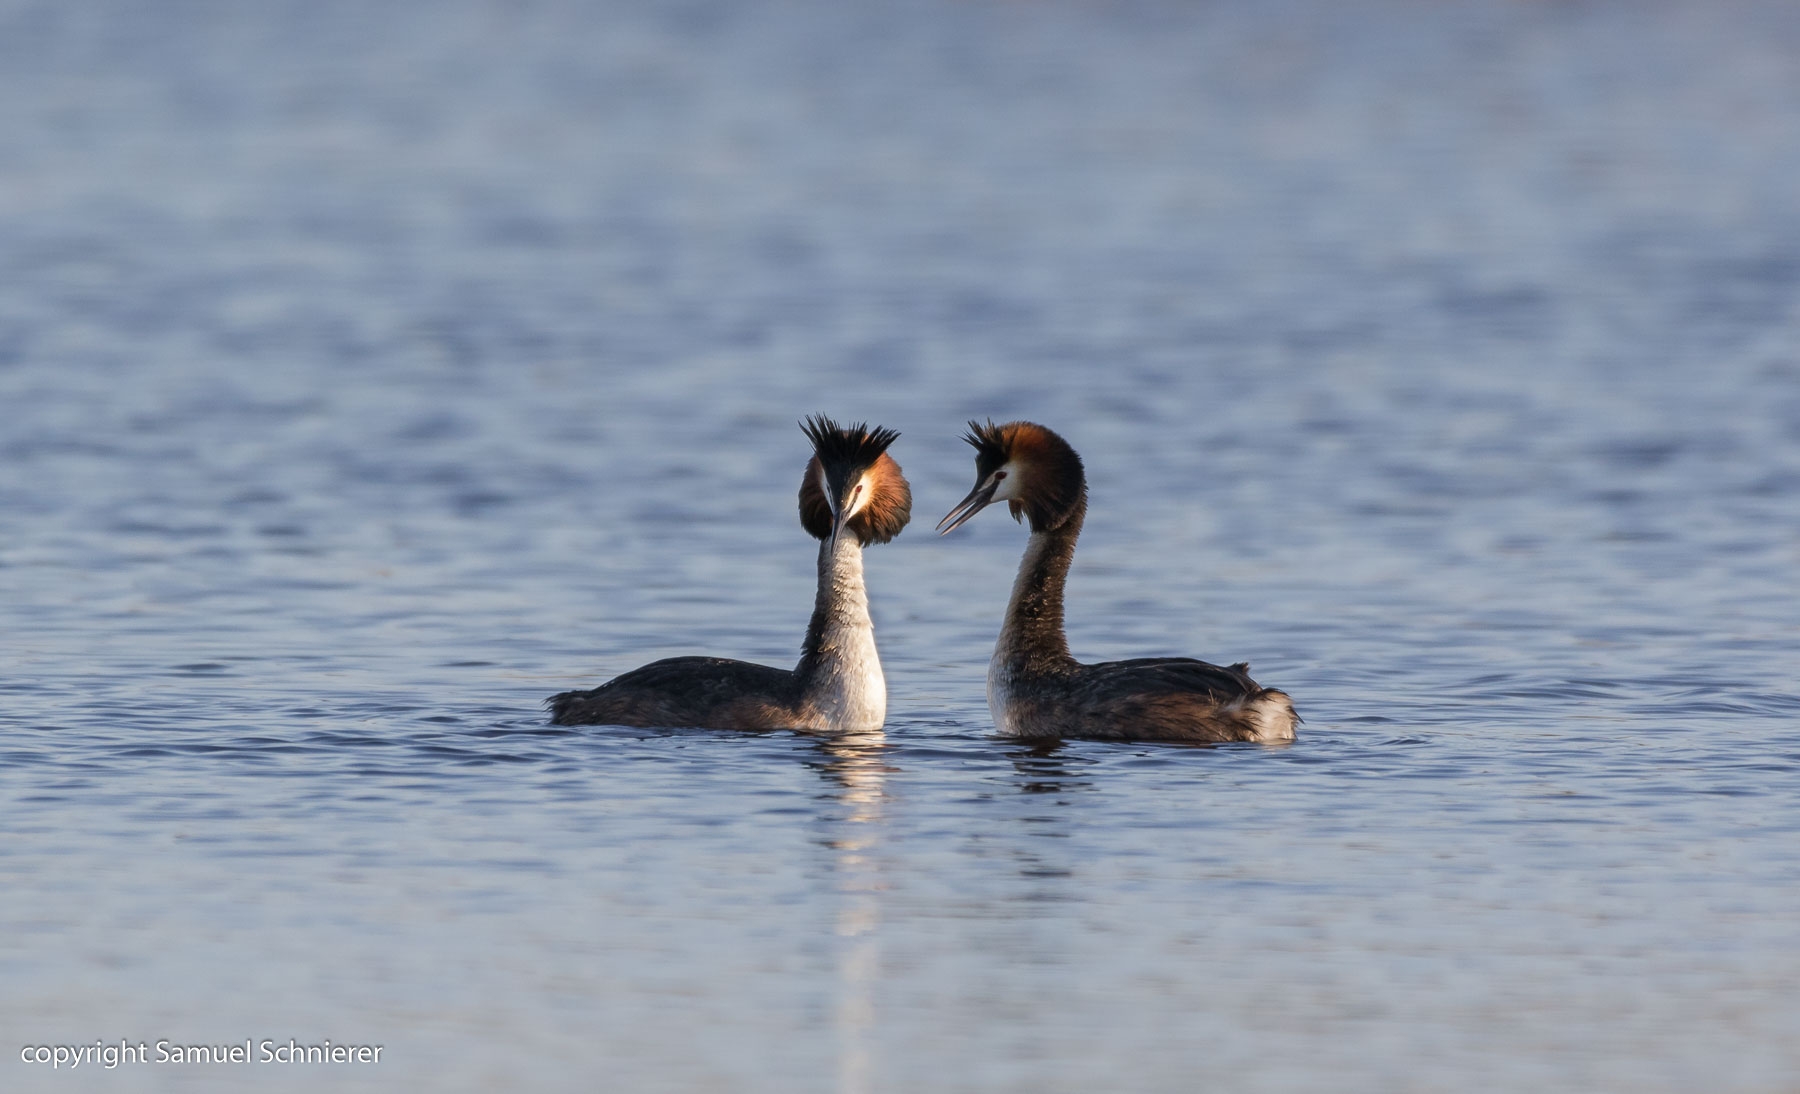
999,691
850,692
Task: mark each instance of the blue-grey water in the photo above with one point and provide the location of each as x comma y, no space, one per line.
369,372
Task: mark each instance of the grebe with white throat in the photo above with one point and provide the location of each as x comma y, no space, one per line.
851,495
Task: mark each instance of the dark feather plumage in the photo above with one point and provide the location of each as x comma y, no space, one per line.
989,445
1109,679
714,692
850,447
1151,699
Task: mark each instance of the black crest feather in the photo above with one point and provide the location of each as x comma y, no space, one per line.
849,447
989,443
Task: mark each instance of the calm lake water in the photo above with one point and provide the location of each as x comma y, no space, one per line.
371,372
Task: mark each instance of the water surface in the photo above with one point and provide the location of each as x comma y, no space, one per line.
371,373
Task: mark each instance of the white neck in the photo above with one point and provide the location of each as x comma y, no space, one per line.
844,684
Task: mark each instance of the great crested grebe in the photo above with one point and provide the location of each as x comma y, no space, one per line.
1035,689
851,495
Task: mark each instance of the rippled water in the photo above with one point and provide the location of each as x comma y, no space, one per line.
371,372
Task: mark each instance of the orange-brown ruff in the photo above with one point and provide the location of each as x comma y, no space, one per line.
1035,689
851,495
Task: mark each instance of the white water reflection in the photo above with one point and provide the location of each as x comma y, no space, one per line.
858,765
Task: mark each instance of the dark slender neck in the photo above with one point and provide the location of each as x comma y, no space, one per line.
840,617
1032,637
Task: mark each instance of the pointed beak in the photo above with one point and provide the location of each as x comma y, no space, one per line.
979,498
839,518
842,508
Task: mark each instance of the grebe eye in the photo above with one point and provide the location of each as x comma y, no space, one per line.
998,475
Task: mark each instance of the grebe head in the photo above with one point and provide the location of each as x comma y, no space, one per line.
852,484
1027,466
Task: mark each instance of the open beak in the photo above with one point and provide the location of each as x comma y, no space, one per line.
979,498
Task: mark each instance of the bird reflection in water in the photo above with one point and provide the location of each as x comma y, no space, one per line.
1045,768
1050,775
856,765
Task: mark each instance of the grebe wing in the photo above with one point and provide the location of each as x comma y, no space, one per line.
1176,699
679,691
704,674
1120,679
